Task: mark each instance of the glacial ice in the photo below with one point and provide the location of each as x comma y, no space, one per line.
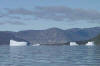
35,44
16,43
73,44
90,44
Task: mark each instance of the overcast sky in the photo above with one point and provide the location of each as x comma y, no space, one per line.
16,15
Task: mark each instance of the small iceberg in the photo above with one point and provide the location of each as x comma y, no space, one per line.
16,43
90,44
73,44
35,44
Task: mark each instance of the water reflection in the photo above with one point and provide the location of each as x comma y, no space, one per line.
50,55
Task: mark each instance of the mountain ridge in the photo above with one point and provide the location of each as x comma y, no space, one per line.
53,35
57,35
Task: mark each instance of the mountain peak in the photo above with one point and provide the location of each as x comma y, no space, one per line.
55,28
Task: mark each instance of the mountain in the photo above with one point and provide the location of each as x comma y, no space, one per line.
50,36
55,35
97,39
78,34
6,36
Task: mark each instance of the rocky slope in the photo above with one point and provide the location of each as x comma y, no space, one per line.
97,39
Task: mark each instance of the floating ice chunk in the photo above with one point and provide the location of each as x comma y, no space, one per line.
16,43
73,44
90,44
35,44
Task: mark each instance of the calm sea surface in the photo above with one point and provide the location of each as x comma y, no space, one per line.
49,55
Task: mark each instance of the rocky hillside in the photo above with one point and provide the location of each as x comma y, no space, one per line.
97,39
6,36
55,35
50,36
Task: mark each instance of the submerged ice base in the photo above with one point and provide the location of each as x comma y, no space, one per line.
16,43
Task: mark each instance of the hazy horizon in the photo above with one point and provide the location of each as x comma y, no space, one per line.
47,29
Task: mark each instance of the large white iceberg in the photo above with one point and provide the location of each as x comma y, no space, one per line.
90,44
73,44
16,43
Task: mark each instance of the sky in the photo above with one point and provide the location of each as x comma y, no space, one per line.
17,15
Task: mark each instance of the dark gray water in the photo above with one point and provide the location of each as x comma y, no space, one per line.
46,55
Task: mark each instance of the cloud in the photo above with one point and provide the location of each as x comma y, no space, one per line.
20,11
12,23
56,13
2,15
15,22
15,17
2,23
65,13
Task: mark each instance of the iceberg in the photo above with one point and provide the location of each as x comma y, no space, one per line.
90,44
73,44
35,44
16,43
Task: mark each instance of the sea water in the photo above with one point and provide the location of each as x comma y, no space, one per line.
50,55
